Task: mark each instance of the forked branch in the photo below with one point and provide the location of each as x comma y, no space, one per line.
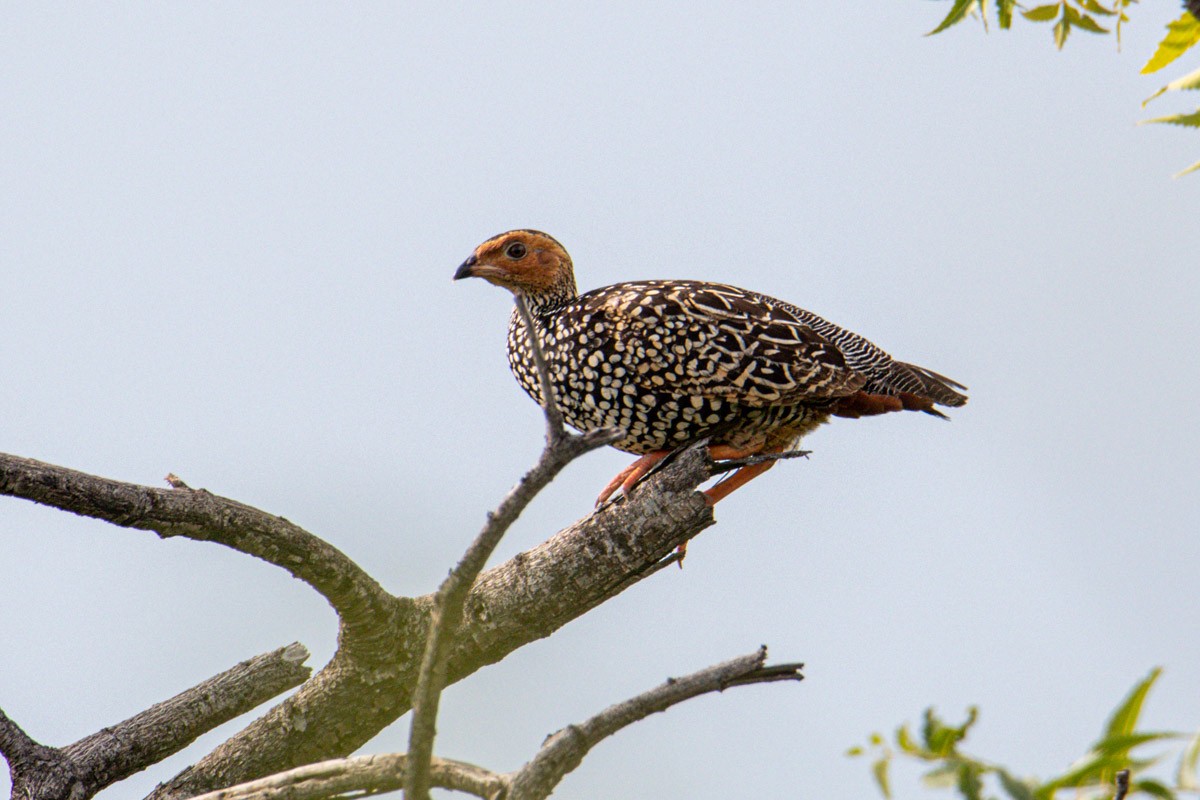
561,752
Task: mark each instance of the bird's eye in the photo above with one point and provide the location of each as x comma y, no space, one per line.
515,251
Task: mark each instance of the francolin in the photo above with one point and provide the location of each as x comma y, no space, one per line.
674,362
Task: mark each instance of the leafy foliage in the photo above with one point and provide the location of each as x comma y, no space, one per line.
1181,34
1085,15
1066,14
1094,775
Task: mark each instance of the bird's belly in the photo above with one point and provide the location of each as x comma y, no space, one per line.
658,420
596,393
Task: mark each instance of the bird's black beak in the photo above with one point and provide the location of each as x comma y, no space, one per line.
466,269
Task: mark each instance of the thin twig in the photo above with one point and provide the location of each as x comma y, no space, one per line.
561,449
565,750
362,775
1122,784
734,463
555,431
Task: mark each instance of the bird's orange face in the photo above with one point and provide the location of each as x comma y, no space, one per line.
530,262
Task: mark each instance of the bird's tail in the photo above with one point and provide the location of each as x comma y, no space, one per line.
903,387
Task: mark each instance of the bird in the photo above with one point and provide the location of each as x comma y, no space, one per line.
676,362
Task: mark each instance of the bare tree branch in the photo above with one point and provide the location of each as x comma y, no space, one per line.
565,750
167,727
761,458
362,775
358,599
387,645
538,591
561,752
561,449
82,769
528,597
554,418
369,682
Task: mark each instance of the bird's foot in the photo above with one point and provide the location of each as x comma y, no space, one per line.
627,478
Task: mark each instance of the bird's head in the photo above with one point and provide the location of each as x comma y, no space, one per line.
529,262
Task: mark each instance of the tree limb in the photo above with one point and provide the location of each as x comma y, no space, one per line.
84,768
528,597
362,775
361,603
561,449
561,752
564,751
389,645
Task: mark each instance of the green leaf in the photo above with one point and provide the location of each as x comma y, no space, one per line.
1096,8
1186,778
1074,18
1152,787
1004,9
880,770
1126,742
905,742
1192,168
854,752
942,777
1017,789
1095,768
1125,716
958,12
970,786
1181,34
1042,13
1062,29
942,739
1088,24
1184,83
1191,120
1124,720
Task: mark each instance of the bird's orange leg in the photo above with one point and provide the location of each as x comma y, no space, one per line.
721,452
628,477
740,478
735,481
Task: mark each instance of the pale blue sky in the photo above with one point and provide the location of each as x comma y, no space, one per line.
226,240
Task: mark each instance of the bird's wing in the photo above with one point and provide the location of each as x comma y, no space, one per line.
717,341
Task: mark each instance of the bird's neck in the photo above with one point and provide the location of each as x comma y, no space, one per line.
550,300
